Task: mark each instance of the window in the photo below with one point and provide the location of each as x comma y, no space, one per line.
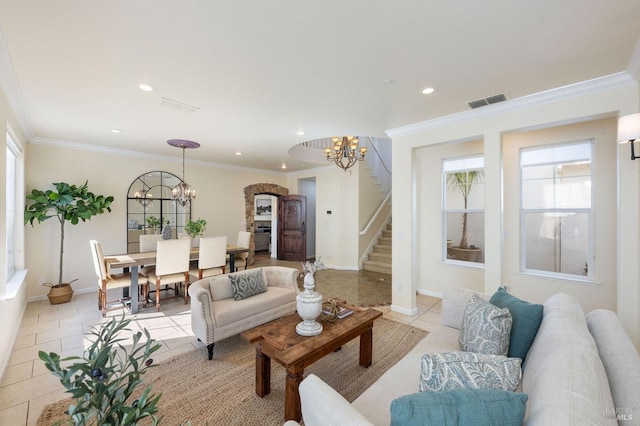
463,209
11,205
556,220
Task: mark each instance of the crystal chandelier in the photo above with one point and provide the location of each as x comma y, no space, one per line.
144,198
183,193
345,152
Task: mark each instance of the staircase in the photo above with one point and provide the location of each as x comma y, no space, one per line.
379,260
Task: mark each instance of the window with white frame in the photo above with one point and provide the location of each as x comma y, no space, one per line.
463,209
556,220
11,205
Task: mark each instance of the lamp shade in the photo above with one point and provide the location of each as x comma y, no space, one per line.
629,128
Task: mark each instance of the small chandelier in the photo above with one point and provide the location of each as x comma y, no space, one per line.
183,193
345,152
144,198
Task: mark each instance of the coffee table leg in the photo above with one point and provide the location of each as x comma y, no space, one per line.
263,373
292,409
366,348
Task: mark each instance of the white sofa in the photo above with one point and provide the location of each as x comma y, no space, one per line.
579,371
216,315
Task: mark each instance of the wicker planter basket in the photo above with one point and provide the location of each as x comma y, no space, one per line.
59,293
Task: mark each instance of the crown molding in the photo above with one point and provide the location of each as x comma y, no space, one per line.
552,95
633,69
143,155
11,88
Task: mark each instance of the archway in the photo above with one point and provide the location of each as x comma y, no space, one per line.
250,193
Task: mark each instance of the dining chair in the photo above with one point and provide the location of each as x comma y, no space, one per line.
148,242
172,267
109,281
244,238
212,257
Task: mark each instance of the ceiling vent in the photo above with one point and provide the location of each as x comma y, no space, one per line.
169,103
487,101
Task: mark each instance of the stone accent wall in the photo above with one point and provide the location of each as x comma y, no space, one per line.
250,193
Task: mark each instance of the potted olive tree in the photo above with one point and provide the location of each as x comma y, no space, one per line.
462,182
68,203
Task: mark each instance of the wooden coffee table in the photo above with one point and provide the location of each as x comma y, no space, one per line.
278,340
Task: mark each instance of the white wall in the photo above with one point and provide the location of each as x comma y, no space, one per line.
336,233
602,293
606,97
432,274
220,200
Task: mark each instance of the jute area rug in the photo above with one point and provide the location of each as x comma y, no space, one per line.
222,391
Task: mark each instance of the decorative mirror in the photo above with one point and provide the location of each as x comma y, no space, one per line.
150,207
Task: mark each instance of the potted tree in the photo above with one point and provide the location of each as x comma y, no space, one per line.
462,182
155,224
195,229
68,203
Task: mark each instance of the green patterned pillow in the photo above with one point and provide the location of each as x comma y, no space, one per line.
247,284
477,407
459,370
485,328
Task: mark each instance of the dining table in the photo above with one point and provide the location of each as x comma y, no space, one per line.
133,261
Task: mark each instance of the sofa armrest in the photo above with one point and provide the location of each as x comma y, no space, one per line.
202,316
322,405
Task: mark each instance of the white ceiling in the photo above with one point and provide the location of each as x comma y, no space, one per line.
260,70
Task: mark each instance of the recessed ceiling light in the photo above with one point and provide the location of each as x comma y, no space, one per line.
116,130
284,166
145,87
238,153
428,90
300,133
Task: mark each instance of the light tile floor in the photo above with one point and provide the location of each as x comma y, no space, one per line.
27,386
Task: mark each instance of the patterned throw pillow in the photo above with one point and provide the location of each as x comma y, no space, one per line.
247,284
485,328
459,370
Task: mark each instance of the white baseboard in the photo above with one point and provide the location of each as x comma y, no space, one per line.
430,293
405,311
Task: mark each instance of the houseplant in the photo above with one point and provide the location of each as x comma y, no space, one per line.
103,381
68,203
195,228
463,182
156,224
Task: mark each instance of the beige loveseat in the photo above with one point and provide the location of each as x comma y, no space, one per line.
580,370
216,314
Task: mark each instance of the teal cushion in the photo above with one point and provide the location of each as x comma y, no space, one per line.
473,407
526,321
454,370
247,284
485,329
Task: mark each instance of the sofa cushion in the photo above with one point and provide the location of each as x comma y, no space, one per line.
454,370
460,407
526,318
247,284
454,301
485,328
228,311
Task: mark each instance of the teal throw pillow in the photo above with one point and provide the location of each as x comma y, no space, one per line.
526,321
462,407
485,329
247,284
454,370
